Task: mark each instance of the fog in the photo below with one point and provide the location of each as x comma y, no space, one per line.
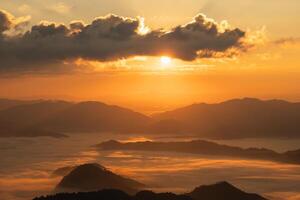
27,165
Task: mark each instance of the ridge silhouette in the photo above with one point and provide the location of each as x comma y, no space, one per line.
233,119
203,147
92,176
219,191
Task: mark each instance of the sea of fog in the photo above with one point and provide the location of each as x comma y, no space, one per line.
27,164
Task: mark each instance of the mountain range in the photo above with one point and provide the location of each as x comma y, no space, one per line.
8,103
204,148
233,119
237,118
52,118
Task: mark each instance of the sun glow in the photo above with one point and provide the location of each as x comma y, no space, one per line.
165,60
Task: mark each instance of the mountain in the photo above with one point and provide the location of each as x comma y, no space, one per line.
219,191
96,116
22,120
51,118
9,103
222,191
234,119
204,148
92,177
292,156
237,118
31,114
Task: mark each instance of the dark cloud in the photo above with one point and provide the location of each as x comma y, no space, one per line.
110,38
5,22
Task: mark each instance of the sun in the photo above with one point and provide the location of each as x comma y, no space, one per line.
165,60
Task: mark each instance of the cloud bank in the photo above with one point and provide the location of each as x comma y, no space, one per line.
46,46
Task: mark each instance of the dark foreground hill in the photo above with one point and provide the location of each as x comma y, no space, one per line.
237,118
219,191
93,177
204,148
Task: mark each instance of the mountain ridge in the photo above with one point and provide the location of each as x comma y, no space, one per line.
221,191
232,119
218,191
53,118
236,119
203,147
92,176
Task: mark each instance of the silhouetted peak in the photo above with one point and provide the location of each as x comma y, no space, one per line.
222,191
93,177
220,186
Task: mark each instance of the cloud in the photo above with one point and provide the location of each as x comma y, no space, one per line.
5,22
11,24
110,38
286,41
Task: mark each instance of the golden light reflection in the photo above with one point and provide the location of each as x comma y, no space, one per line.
154,168
137,139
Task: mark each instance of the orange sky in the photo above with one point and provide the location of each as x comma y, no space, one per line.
269,69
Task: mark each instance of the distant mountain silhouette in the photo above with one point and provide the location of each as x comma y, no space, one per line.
205,148
92,177
96,116
238,118
292,156
219,191
9,103
234,119
22,120
222,191
51,118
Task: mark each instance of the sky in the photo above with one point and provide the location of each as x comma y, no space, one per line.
150,55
